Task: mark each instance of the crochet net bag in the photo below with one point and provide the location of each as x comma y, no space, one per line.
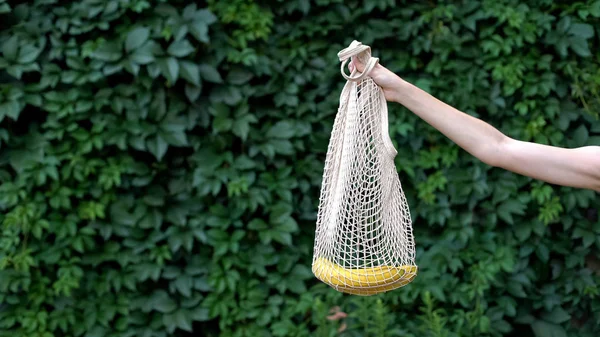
363,240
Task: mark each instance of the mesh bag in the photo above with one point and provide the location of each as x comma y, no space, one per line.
363,241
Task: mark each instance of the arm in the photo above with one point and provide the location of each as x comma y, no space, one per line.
578,167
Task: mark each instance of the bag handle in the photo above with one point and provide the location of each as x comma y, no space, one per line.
363,53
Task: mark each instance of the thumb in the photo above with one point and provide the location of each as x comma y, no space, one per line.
356,64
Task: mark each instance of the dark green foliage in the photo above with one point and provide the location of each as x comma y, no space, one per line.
160,166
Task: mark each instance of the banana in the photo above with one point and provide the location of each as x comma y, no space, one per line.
374,279
376,290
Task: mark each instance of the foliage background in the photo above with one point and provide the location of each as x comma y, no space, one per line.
160,165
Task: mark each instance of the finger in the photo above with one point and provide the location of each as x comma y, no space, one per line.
356,65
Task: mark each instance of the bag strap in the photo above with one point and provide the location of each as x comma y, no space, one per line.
363,53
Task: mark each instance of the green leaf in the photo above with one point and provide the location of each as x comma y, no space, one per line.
96,331
239,76
581,135
10,48
169,67
184,284
258,225
222,124
28,53
199,30
558,315
180,48
595,9
506,209
136,38
157,146
200,314
523,232
190,72
580,46
210,73
4,8
143,54
162,302
174,134
241,126
11,109
282,237
192,92
564,24
227,94
545,329
282,129
543,252
108,52
205,16
183,320
152,219
582,30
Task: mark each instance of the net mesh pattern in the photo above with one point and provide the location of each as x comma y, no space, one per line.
363,242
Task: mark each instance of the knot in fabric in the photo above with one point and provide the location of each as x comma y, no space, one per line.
363,54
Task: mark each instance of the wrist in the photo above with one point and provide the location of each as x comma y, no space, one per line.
400,89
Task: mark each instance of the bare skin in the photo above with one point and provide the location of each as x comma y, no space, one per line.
577,167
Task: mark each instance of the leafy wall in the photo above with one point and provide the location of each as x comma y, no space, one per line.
160,165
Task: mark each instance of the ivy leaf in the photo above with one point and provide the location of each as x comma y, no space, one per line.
580,46
4,8
582,30
108,52
239,76
183,320
200,314
282,130
180,48
174,134
595,9
136,38
10,48
241,126
157,146
558,315
222,124
162,302
169,67
28,53
564,24
210,73
228,94
192,92
184,285
190,72
545,329
205,16
144,54
506,209
10,109
581,135
199,30
543,252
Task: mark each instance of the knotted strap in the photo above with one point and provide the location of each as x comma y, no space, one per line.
363,53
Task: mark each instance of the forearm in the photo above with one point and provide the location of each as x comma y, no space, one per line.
578,167
473,135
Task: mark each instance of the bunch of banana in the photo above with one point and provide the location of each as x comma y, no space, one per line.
363,281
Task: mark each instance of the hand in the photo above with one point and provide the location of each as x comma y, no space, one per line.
387,80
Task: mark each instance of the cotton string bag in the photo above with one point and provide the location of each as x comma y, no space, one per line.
363,240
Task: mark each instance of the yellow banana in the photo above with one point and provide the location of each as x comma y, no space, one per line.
379,289
375,279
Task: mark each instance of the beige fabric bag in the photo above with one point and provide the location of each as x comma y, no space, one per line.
363,241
